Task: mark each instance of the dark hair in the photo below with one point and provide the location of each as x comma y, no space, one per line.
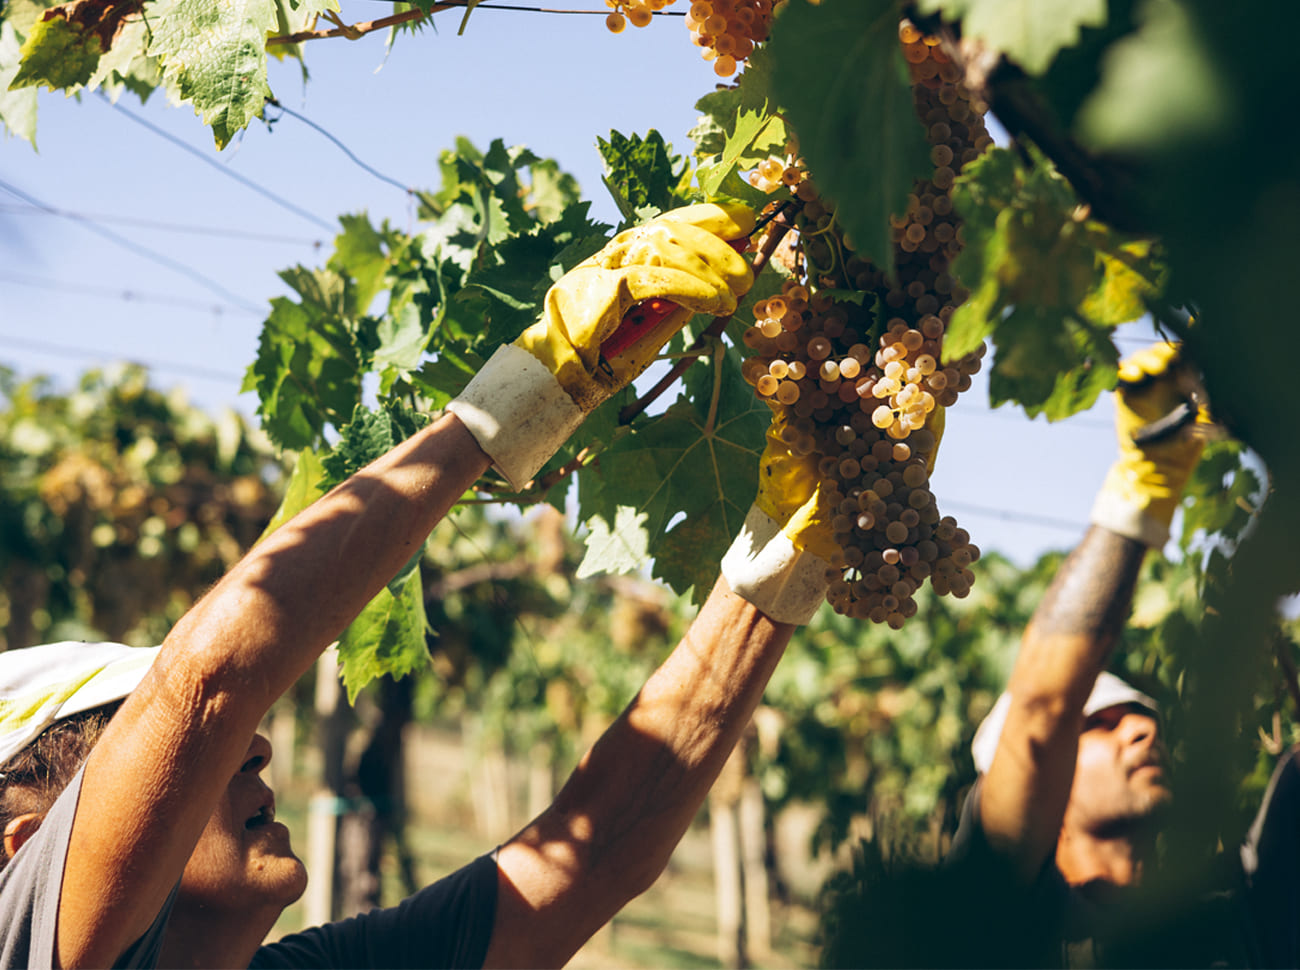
36,775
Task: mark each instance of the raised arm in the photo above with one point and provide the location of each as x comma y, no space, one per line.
613,826
1070,637
615,823
152,781
162,769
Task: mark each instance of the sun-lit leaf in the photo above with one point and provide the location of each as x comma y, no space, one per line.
17,105
306,485
387,639
641,173
691,471
361,252
1130,279
58,53
618,547
215,53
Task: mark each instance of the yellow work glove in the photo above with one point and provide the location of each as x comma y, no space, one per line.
602,324
1162,433
780,561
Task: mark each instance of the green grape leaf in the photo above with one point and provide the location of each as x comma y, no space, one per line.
387,638
214,52
126,61
719,109
620,547
553,191
361,252
1131,276
1050,285
58,53
369,435
1029,32
443,378
17,105
840,76
720,181
306,485
402,339
1222,495
641,173
1050,363
310,359
692,471
756,136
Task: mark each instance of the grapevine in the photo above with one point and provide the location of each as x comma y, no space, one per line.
852,359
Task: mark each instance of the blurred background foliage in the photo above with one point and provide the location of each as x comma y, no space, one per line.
119,504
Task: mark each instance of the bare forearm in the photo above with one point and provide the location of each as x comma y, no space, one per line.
1079,619
1065,647
298,589
614,825
166,757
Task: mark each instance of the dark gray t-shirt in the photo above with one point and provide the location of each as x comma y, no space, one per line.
29,896
447,924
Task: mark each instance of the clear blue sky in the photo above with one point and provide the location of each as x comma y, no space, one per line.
72,297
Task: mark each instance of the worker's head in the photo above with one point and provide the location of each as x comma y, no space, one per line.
1120,773
56,701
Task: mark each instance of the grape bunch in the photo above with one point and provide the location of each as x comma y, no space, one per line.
726,30
853,358
638,13
868,415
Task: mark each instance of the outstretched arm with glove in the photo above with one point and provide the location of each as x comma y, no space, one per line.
184,739
1027,787
590,342
614,825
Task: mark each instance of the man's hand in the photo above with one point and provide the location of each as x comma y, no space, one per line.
781,561
1157,451
602,324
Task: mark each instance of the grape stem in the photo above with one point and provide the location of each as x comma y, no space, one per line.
535,490
780,225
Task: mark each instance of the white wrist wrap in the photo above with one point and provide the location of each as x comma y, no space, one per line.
517,412
764,567
1113,512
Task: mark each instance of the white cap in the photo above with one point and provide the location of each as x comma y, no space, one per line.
41,685
1108,691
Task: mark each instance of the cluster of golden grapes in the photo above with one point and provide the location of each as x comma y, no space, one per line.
638,13
865,389
867,415
726,30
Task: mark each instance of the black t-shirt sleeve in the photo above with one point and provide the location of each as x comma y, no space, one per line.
447,924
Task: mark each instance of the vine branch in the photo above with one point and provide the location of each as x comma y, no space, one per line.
1105,183
358,30
533,490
